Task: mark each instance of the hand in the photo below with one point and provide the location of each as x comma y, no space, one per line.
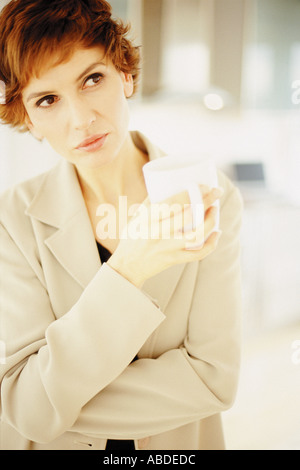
162,236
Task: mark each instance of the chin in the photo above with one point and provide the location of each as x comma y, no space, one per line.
93,160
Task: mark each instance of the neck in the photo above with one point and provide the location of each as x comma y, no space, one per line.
118,177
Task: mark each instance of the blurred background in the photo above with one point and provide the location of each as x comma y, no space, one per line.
222,77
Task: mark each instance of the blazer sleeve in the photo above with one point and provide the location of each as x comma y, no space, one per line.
55,366
200,378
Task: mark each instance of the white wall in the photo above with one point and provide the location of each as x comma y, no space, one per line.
21,157
269,137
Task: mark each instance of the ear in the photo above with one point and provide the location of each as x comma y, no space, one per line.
32,130
128,84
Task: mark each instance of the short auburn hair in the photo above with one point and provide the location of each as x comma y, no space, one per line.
37,34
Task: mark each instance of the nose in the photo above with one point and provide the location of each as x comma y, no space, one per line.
82,114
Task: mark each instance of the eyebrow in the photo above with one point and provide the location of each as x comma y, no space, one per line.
45,93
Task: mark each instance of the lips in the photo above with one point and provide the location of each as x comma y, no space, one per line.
93,143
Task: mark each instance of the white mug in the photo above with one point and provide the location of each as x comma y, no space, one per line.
172,174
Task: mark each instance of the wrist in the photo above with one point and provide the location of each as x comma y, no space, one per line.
123,270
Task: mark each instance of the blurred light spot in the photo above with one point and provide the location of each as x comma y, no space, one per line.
213,101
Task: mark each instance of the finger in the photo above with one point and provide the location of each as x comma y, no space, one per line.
195,241
209,196
173,226
196,238
200,252
212,196
164,212
210,220
183,221
182,198
174,205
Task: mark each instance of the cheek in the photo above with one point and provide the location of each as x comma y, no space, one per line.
51,126
53,132
57,140
118,110
38,123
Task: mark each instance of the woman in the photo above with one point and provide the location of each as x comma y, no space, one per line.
137,347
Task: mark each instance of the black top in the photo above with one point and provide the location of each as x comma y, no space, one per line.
113,444
103,253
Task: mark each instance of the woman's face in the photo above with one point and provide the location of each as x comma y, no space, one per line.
80,107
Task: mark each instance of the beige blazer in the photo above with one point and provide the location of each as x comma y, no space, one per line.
71,328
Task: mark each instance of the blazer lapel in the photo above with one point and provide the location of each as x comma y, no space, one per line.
75,249
59,204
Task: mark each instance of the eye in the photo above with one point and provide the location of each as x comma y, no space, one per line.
47,101
93,80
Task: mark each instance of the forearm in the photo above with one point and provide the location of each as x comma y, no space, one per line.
51,379
156,395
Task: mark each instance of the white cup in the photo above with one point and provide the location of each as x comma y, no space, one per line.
173,174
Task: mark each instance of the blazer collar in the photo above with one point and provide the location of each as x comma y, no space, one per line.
59,204
59,196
